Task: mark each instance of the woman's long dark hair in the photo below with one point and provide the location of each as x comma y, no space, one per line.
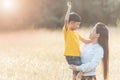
103,41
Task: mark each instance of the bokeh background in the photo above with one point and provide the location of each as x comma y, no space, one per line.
32,43
50,13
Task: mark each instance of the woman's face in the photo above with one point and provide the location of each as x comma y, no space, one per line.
93,35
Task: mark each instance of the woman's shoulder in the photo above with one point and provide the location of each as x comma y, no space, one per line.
97,46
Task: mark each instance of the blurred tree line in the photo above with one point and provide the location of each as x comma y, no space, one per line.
50,13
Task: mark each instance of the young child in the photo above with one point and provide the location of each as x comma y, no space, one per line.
72,38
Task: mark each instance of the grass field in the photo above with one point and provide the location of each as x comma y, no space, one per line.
38,55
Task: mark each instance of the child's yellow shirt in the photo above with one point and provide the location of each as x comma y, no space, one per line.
72,42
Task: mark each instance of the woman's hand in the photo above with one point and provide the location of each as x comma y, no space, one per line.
73,67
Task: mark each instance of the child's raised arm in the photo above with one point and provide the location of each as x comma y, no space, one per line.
67,14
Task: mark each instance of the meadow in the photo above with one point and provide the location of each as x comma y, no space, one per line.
38,55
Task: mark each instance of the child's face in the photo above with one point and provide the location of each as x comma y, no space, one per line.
74,25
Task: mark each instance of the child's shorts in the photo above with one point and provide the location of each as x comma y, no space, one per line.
75,60
88,78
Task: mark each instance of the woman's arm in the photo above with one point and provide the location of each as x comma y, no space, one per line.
92,64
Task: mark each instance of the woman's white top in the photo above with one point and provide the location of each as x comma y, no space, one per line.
91,55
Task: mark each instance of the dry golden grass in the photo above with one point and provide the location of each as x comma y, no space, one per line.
38,55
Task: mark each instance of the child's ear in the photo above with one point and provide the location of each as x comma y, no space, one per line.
98,35
71,22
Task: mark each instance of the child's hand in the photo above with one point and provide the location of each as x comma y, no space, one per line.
69,4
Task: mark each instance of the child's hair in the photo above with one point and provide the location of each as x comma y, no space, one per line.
74,17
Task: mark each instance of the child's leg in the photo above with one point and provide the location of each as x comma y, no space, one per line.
70,60
74,77
75,73
77,61
79,76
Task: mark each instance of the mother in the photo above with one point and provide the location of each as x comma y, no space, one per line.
93,53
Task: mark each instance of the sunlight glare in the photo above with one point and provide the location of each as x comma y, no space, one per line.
8,5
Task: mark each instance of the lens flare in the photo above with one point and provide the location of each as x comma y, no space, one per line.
8,5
